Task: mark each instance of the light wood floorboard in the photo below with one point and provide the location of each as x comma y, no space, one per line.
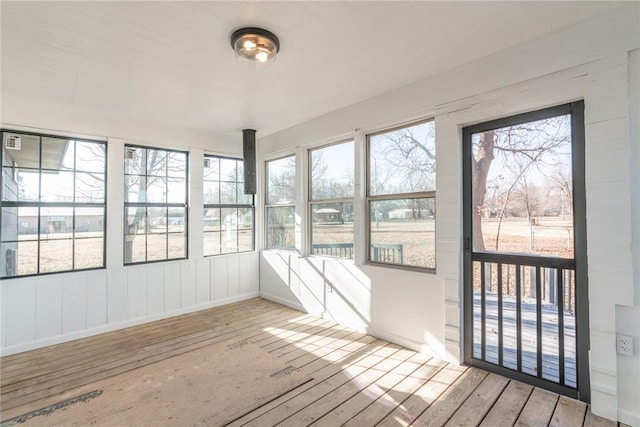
357,379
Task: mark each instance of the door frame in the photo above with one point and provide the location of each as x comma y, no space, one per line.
576,110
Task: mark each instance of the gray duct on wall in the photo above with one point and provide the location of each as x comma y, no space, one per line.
249,156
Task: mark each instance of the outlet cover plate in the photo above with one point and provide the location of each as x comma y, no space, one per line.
624,344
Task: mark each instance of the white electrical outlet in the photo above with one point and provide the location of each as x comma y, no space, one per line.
624,344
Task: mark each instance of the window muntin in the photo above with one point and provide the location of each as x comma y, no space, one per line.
228,212
331,182
155,204
280,203
53,204
401,176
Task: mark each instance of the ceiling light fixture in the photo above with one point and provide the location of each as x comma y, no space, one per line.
255,44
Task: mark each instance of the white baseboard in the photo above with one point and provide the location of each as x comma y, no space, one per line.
289,303
19,348
628,417
350,323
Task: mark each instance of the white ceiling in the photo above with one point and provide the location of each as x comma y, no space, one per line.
171,62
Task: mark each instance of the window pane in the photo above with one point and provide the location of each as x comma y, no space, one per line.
244,199
28,223
403,160
212,172
56,186
332,229
177,245
19,258
211,243
177,188
10,224
19,223
57,153
90,156
176,164
89,187
229,230
20,184
211,192
135,188
27,156
228,193
135,161
229,170
56,255
156,189
281,181
403,232
156,246
212,219
245,229
212,231
157,220
135,235
156,162
89,253
281,228
89,222
56,223
9,188
332,171
176,220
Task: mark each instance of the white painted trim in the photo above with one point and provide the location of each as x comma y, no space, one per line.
121,325
288,303
348,322
628,417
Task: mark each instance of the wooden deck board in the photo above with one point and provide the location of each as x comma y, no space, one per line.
591,420
480,402
509,405
568,413
453,398
538,409
397,395
358,380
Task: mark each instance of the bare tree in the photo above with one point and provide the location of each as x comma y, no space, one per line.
412,157
144,173
538,146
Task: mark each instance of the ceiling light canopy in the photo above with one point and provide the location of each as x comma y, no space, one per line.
255,44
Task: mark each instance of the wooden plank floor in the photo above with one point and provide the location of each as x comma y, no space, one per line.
358,380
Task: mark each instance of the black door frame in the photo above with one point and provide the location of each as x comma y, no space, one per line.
576,110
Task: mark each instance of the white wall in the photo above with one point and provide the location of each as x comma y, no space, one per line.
48,309
594,61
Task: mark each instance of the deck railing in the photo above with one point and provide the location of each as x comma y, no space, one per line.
386,253
524,314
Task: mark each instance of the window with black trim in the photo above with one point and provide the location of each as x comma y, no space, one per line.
53,204
228,212
331,182
280,203
401,192
156,203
